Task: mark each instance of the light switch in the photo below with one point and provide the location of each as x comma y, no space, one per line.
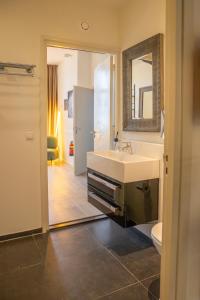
29,135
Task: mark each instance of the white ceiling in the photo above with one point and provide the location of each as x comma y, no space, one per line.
56,55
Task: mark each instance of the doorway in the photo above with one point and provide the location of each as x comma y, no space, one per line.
80,119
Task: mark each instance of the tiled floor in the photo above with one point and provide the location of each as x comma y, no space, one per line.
68,195
98,260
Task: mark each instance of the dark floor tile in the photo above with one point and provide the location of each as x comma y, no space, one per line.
78,263
113,237
123,240
66,243
134,292
18,253
139,238
33,283
83,277
128,245
107,232
153,285
93,275
142,263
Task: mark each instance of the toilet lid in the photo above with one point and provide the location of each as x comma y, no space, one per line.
157,232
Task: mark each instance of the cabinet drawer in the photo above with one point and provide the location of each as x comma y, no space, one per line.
105,186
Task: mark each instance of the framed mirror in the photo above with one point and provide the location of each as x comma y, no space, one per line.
143,86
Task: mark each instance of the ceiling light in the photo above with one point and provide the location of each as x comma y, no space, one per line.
85,26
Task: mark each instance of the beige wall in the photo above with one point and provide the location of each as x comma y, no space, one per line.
189,241
140,20
22,25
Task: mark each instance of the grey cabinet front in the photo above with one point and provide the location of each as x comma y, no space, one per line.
142,201
126,203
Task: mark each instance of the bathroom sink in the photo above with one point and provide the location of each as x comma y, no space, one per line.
123,166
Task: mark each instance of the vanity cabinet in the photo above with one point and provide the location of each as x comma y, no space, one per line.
141,200
126,203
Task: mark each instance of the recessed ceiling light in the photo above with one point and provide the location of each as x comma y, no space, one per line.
85,26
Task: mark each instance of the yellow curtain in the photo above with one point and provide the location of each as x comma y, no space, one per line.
52,84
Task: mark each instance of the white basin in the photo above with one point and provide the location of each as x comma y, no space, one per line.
123,166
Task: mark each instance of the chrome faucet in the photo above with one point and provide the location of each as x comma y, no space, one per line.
126,148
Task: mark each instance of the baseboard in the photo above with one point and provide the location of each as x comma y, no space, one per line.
20,234
77,222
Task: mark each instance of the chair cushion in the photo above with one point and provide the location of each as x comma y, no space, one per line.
52,154
52,142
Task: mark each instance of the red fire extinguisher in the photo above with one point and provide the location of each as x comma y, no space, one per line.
71,148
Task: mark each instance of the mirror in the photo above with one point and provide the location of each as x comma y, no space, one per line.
142,81
142,86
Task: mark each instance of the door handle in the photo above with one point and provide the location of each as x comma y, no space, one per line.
165,157
76,129
166,160
93,132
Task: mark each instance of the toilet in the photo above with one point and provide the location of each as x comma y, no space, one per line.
156,235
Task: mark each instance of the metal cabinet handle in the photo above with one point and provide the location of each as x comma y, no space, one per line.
104,182
104,203
144,188
139,187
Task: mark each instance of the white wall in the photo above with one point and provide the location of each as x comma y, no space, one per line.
74,70
97,58
69,78
78,69
140,20
87,62
22,26
84,70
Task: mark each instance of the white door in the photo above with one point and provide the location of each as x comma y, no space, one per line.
103,96
83,127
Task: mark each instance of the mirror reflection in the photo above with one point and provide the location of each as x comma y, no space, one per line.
142,90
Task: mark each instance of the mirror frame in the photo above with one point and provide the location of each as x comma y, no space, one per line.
152,45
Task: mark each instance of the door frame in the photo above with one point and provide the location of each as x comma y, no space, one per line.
172,150
59,43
